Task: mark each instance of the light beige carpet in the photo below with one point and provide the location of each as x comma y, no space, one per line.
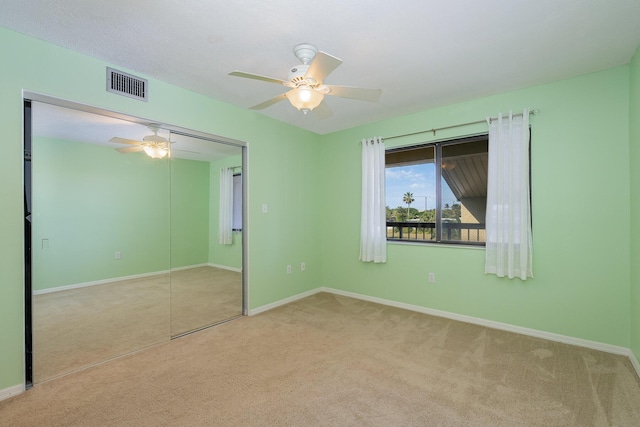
203,296
76,328
332,361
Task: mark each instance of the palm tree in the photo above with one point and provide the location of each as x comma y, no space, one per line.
408,199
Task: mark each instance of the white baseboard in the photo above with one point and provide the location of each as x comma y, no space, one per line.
134,276
594,345
189,267
267,307
226,267
99,282
11,391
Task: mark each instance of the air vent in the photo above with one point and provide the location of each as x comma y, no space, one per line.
126,84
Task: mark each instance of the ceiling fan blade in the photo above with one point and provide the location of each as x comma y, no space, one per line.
322,111
270,102
130,149
125,141
256,77
371,95
321,66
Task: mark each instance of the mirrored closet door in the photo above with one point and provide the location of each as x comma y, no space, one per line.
125,248
206,233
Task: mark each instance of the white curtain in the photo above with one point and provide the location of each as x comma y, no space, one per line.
373,228
225,217
508,220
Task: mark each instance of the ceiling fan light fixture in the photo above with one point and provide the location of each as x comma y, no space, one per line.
155,151
306,83
305,99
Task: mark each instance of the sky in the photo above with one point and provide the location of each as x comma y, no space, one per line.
416,179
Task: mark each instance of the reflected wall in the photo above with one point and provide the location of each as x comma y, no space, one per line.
101,255
125,251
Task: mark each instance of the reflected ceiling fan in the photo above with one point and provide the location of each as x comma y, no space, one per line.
155,146
306,83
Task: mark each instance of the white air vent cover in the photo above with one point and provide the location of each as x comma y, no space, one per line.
126,84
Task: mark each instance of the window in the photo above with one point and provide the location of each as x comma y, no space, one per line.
437,192
237,202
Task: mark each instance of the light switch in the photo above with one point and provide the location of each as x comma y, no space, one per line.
264,208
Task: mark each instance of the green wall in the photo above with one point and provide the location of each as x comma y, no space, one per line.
223,255
278,174
90,201
290,230
580,197
634,149
190,216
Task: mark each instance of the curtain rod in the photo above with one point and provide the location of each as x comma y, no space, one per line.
534,112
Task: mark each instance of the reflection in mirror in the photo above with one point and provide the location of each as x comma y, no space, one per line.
114,230
100,246
206,277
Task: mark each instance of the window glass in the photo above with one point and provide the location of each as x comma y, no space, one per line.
411,194
437,192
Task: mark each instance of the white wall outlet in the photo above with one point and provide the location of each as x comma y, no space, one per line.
289,269
265,208
432,277
117,255
302,266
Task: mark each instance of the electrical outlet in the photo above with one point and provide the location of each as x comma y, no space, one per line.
432,277
289,269
302,266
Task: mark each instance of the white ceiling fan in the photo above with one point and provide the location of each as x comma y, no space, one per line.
306,83
155,146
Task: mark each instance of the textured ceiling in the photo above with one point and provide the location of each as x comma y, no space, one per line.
421,54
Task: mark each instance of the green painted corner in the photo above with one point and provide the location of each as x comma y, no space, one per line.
191,218
634,160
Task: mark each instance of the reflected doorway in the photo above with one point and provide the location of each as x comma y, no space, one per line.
125,250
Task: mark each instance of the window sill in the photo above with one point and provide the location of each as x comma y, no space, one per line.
434,244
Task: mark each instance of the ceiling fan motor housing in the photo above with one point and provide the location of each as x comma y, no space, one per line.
305,52
296,74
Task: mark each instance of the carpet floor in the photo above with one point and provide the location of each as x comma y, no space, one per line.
77,328
331,360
